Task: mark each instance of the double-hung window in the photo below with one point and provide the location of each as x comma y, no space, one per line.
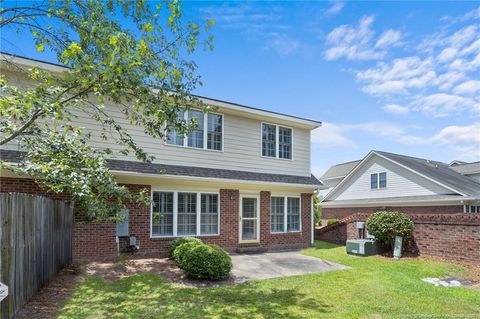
378,180
285,214
276,141
207,133
184,214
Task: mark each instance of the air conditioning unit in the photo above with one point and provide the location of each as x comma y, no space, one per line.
362,247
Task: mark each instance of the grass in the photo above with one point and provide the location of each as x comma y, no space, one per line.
373,287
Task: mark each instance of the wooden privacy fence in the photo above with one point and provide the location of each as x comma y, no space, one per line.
35,243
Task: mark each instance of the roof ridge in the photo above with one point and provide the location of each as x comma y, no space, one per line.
409,156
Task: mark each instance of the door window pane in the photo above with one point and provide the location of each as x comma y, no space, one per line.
249,229
187,214
249,207
162,214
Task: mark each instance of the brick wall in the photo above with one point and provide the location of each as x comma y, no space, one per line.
97,240
344,212
452,236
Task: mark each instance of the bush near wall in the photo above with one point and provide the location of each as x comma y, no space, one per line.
202,261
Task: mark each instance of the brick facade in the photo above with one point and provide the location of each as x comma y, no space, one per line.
452,236
97,240
339,213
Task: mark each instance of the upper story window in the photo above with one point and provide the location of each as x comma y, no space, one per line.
276,141
208,133
378,180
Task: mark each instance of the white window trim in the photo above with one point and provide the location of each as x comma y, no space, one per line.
378,181
175,212
205,133
285,214
468,208
277,139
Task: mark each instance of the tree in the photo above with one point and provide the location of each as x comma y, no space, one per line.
317,210
130,55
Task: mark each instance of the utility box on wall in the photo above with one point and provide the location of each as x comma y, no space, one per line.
362,247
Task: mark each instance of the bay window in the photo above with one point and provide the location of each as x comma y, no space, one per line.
184,214
285,214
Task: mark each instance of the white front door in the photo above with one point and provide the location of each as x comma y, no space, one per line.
249,219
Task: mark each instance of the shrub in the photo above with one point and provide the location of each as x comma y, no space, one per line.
386,225
332,221
205,262
180,253
180,241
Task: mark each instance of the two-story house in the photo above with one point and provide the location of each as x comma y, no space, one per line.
242,178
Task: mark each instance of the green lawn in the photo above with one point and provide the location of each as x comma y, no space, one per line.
373,287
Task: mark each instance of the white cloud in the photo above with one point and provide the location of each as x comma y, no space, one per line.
389,38
335,9
441,80
395,109
282,43
459,135
468,87
329,135
441,104
465,140
353,42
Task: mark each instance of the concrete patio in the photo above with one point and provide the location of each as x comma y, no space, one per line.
278,264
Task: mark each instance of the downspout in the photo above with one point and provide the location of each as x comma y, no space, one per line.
312,240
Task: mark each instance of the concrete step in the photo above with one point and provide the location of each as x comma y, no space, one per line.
251,249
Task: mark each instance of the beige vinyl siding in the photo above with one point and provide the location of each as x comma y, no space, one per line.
241,147
241,143
400,182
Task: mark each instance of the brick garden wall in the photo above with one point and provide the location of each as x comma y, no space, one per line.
97,240
452,236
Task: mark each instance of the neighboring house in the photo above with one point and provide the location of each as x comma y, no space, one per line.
335,175
387,181
241,179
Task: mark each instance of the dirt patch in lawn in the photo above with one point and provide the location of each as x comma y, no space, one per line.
167,268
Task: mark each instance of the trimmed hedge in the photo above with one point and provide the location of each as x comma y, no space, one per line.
386,225
180,253
332,221
180,241
202,261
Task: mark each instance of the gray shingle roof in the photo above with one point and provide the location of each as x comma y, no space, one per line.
468,168
339,170
152,168
438,171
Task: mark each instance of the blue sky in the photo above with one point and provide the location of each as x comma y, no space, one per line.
394,76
